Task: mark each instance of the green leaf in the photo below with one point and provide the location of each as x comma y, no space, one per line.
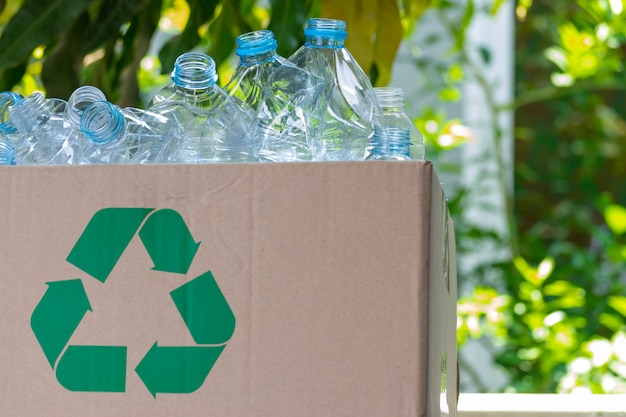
455,73
361,24
413,9
136,44
200,12
374,33
615,217
618,303
449,94
61,69
495,7
561,288
111,15
223,34
9,77
38,22
388,38
485,54
287,23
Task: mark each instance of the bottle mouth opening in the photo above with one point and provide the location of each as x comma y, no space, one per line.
194,70
80,99
331,28
102,122
257,42
7,99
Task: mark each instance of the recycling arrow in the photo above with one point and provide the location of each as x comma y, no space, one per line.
93,368
177,369
58,314
201,303
168,241
204,309
104,240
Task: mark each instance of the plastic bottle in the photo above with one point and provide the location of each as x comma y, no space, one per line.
391,144
257,61
45,138
124,136
8,132
334,115
80,99
7,153
214,127
391,101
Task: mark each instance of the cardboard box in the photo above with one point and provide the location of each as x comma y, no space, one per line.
282,290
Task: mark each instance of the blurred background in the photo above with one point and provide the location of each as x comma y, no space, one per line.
522,105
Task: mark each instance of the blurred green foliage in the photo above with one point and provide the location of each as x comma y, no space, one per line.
557,312
126,47
556,307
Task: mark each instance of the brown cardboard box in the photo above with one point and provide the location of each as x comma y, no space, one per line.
316,289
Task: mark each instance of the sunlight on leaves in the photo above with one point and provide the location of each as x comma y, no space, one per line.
615,217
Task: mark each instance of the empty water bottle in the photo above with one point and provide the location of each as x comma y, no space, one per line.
391,101
45,138
124,136
214,127
334,114
257,61
391,143
8,132
7,153
80,99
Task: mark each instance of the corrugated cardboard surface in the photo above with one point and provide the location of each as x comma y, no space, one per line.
336,273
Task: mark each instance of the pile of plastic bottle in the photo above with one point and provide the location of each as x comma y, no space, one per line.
317,105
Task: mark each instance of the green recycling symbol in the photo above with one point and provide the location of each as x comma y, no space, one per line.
200,302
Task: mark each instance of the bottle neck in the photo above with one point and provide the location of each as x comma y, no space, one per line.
255,48
399,143
80,99
390,143
7,153
390,99
325,33
194,71
257,59
30,114
103,122
7,99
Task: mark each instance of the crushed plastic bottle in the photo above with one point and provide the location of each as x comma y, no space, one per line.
391,101
124,136
214,127
334,114
7,153
80,99
257,62
8,132
45,138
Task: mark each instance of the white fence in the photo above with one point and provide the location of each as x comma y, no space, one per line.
541,405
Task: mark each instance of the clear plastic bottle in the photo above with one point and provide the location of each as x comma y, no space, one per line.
336,115
391,102
80,99
124,136
8,132
390,144
214,127
7,153
257,61
45,138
